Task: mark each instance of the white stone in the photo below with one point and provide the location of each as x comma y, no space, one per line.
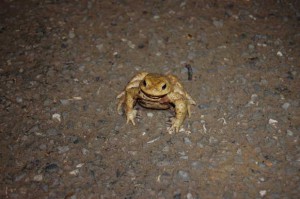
71,34
286,105
262,193
79,165
272,121
279,54
38,178
74,172
56,116
149,114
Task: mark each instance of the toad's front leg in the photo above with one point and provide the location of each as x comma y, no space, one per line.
130,100
181,109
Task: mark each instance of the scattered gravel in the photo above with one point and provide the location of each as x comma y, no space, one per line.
63,64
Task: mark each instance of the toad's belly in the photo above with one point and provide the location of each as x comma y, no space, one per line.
153,104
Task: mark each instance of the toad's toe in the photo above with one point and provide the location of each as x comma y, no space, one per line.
174,128
130,117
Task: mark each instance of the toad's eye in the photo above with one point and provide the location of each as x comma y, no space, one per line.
144,83
164,86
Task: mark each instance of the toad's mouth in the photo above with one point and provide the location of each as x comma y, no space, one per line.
149,96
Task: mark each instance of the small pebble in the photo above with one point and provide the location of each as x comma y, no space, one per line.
177,196
197,165
251,47
47,102
38,178
34,129
63,149
252,17
264,82
166,149
199,144
239,152
164,163
51,168
19,99
79,165
187,141
149,114
262,193
99,47
203,106
156,17
84,151
249,138
289,132
71,34
73,197
52,132
184,157
57,117
74,172
81,68
45,188
20,177
131,45
212,140
286,105
279,54
272,121
218,23
64,102
74,139
189,196
261,165
43,147
183,175
183,4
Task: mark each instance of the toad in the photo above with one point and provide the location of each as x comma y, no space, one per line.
156,91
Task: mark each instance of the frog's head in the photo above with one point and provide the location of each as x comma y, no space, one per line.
155,85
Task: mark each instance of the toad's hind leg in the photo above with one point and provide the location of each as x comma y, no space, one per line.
181,108
190,102
130,100
121,98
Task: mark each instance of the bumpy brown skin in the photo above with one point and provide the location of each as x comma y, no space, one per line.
156,91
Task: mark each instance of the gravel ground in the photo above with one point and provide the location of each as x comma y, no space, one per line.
62,64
